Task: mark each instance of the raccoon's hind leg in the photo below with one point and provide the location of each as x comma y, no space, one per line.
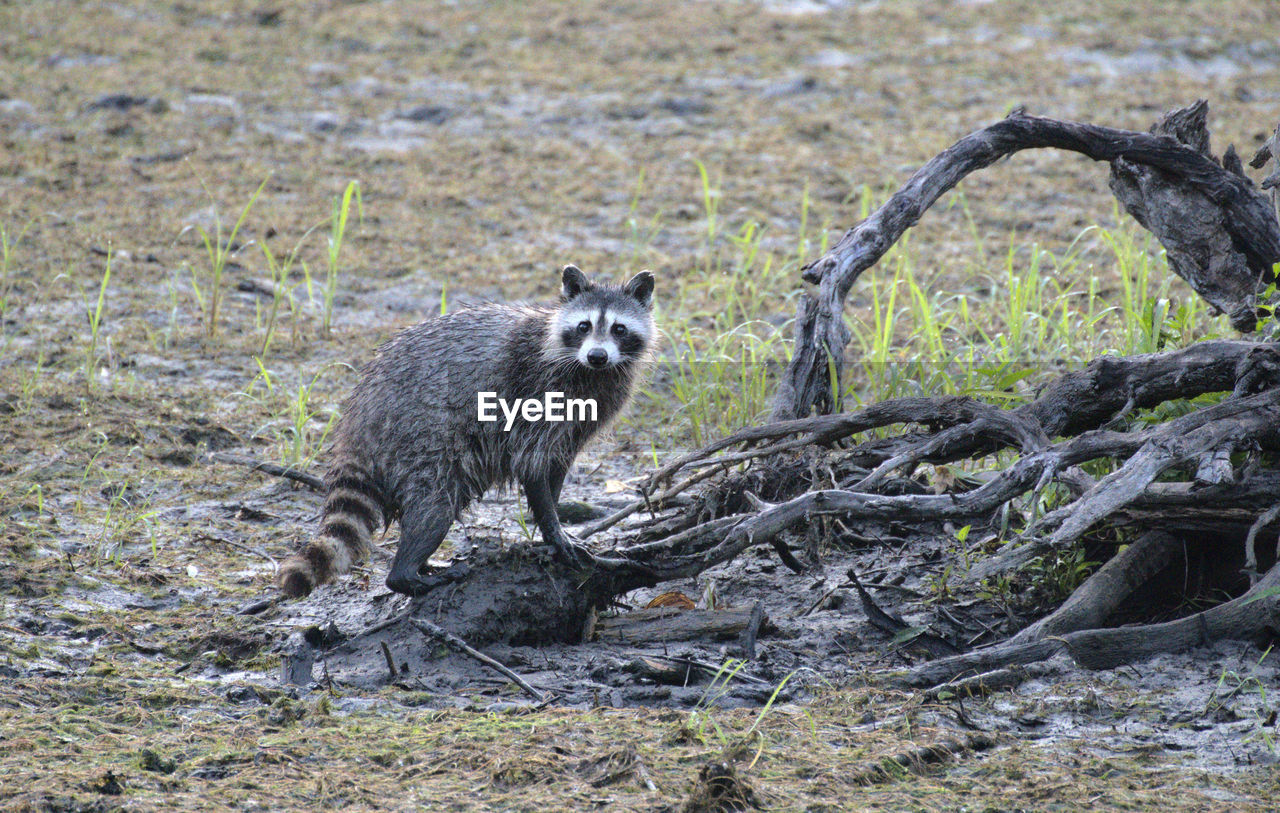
422,528
352,510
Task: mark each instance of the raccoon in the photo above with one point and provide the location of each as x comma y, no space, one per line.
410,445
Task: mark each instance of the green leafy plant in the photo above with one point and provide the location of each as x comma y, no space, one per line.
8,242
123,521
337,233
1059,573
711,209
279,271
219,248
302,443
702,726
95,310
298,428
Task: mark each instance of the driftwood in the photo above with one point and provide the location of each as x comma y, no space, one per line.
1255,614
673,624
1091,604
1078,404
1222,230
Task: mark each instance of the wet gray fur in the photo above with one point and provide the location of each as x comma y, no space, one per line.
409,446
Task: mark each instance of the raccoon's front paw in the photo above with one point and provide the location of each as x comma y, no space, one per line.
573,552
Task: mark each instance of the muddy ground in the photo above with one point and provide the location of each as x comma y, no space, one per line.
492,144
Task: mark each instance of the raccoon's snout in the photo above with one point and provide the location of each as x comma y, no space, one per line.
597,357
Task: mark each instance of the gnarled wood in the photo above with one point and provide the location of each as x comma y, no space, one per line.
1091,603
1231,241
1250,616
672,624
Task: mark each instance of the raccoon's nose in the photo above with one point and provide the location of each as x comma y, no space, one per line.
597,357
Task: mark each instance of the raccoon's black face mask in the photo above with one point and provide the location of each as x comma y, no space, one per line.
602,325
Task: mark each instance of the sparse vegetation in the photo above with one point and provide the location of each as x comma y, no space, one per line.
94,312
219,249
337,232
281,291
1044,313
8,245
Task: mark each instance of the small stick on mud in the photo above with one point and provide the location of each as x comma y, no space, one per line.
238,546
391,662
826,595
458,645
289,473
388,622
988,682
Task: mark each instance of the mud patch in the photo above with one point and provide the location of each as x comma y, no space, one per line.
1209,708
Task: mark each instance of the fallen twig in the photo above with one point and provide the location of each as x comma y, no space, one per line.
458,645
289,473
255,551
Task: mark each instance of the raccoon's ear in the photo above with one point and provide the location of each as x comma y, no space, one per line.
640,288
574,282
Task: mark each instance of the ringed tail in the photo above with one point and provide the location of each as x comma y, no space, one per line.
352,510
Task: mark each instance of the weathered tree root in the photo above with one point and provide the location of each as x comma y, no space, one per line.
1092,602
1250,616
1220,231
1110,388
1246,422
971,429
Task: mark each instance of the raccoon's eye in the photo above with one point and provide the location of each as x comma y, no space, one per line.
619,330
584,326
